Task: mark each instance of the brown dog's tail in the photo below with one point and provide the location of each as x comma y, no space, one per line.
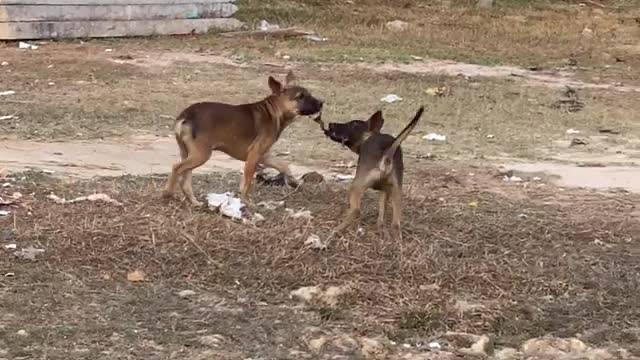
386,161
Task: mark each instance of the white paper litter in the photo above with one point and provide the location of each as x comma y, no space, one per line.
572,131
7,93
435,137
342,177
271,205
315,38
265,26
108,50
314,242
491,136
391,98
512,179
10,246
299,214
7,117
434,345
29,253
4,63
24,45
5,212
94,197
228,204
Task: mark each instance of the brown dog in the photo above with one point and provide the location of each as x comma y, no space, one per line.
245,132
380,165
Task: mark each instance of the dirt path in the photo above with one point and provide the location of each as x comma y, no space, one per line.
140,156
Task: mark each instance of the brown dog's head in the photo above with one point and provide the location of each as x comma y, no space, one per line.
353,133
294,99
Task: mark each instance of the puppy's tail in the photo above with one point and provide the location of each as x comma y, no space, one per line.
387,158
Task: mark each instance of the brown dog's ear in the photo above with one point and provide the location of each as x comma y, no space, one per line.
291,79
376,121
275,85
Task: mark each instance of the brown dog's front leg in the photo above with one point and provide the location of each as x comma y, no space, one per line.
256,151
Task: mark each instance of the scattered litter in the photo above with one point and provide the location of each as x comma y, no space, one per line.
6,185
108,50
434,345
4,212
299,214
397,25
265,26
10,274
10,246
609,131
343,177
228,204
24,45
512,178
136,276
435,137
360,231
7,93
47,171
523,216
314,242
576,141
51,83
29,253
473,204
437,91
271,205
572,131
186,293
286,57
22,333
93,198
417,57
314,38
535,178
4,63
7,117
391,98
255,218
491,136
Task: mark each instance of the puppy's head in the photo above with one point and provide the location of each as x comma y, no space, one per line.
294,99
353,133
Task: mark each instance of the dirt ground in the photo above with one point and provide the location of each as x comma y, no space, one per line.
524,224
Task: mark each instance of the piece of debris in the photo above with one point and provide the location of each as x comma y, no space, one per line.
4,63
186,293
329,296
299,214
587,32
569,101
577,141
397,25
473,204
512,178
29,253
417,58
22,333
7,117
391,98
263,25
93,198
4,212
491,136
108,50
470,344
10,246
47,171
523,216
136,276
271,205
228,204
24,45
312,178
7,93
256,218
314,38
561,348
314,242
437,91
609,131
435,137
371,348
572,131
211,340
10,274
51,83
435,346
343,177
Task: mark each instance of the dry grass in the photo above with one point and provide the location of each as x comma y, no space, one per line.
568,267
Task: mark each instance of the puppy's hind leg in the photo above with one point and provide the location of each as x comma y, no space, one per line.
396,207
170,187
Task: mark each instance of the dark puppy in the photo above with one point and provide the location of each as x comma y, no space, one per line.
245,132
380,165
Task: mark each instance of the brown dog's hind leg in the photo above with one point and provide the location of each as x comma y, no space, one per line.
198,153
396,207
384,197
356,192
170,188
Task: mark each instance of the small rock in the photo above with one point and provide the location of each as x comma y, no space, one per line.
312,178
22,333
587,32
397,25
316,345
371,348
186,293
470,344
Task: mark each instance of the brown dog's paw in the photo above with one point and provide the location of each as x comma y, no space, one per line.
167,195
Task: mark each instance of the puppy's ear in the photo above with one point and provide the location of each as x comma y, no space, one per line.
375,122
291,79
275,85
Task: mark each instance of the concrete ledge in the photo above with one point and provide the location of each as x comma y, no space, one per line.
19,13
111,2
95,29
